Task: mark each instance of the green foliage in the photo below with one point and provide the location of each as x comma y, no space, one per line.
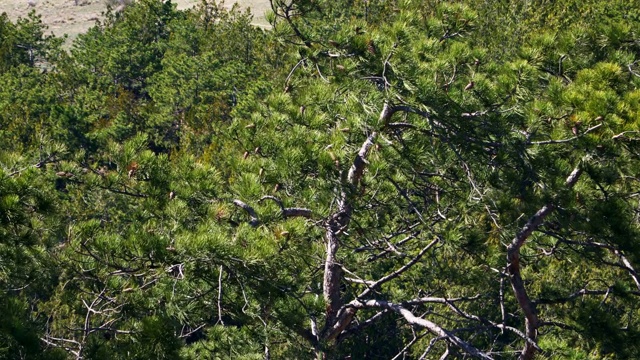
27,234
171,186
24,42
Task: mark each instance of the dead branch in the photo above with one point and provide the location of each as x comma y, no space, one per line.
274,199
417,321
503,327
320,73
403,353
220,296
297,212
286,82
357,168
361,325
437,300
630,67
38,165
623,134
398,272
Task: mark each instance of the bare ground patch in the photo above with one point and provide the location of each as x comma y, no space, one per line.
65,17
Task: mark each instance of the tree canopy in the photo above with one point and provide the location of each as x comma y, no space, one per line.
366,179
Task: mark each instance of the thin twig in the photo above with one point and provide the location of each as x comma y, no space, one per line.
562,141
220,296
399,271
286,82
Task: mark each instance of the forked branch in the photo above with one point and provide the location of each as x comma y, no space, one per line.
513,269
417,321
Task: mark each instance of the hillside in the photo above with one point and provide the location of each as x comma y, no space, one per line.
64,17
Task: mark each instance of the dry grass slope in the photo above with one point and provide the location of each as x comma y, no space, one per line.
73,17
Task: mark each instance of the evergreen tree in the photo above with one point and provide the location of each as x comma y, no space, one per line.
366,179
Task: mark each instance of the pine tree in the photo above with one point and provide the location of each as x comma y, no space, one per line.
390,179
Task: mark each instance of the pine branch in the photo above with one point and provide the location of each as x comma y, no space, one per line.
252,213
288,212
626,264
562,141
417,321
513,269
38,165
577,294
338,318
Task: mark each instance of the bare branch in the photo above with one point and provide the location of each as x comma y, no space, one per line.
252,213
577,294
445,354
361,325
414,320
273,198
626,263
56,342
562,141
191,331
286,82
338,317
220,296
424,300
399,125
631,69
321,76
337,224
360,281
288,212
503,327
622,134
296,212
357,169
402,353
386,63
38,165
408,109
557,324
398,272
430,347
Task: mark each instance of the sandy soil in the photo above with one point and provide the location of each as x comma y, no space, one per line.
64,17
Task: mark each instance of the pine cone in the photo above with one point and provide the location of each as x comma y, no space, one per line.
371,47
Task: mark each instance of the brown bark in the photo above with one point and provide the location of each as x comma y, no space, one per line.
513,269
337,224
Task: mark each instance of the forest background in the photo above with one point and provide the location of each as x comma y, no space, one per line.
367,179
